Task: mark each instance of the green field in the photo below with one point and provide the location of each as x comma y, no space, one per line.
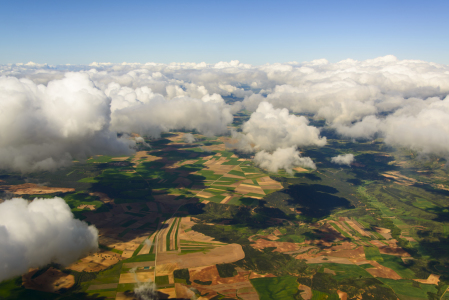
408,288
276,288
395,263
372,253
416,215
343,271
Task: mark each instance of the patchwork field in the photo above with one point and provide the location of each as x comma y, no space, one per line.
201,220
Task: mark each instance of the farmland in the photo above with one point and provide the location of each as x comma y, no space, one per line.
202,220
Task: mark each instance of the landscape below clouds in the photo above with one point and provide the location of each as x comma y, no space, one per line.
213,180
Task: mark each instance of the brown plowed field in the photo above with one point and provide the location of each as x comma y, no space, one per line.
220,147
342,295
245,189
343,228
344,246
248,295
397,251
34,189
280,246
219,255
207,273
307,292
382,271
205,194
183,292
399,178
432,279
96,262
183,163
83,206
384,232
268,181
353,253
51,281
143,156
377,243
136,277
355,226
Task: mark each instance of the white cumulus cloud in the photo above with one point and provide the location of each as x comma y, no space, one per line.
282,158
188,138
343,159
269,128
45,127
359,99
38,233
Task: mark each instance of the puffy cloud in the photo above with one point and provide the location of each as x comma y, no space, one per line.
45,127
38,233
144,112
160,115
282,158
336,101
140,140
343,159
269,128
213,98
188,138
422,127
366,128
356,98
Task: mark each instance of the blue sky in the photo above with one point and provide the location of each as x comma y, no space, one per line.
255,32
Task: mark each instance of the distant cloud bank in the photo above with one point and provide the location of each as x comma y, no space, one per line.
52,115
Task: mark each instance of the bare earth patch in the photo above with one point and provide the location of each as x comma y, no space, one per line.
399,178
382,271
280,246
143,156
246,188
96,262
306,293
432,279
386,233
83,206
136,277
230,287
51,281
397,251
342,295
34,189
219,255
